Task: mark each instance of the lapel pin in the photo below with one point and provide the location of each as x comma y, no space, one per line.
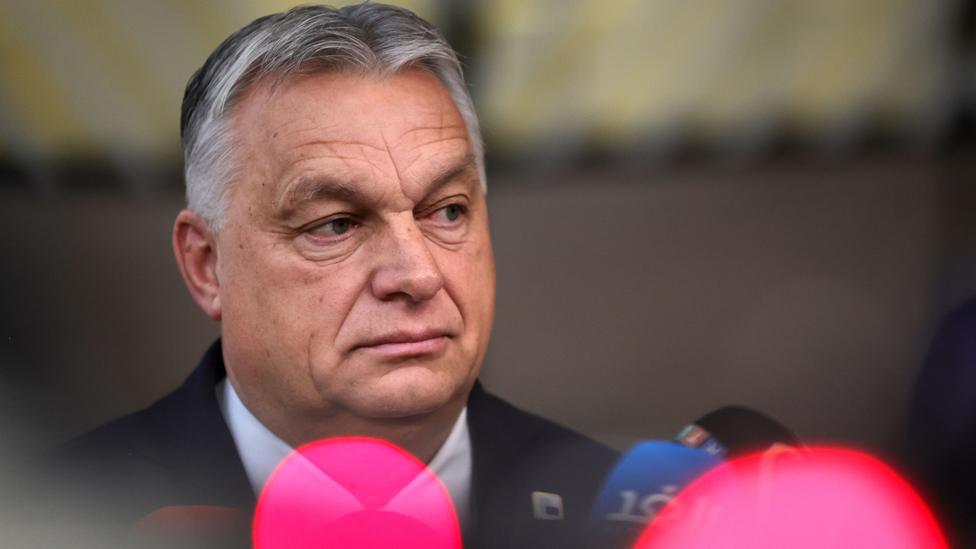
547,506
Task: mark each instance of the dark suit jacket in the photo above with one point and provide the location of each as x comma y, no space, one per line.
941,447
179,452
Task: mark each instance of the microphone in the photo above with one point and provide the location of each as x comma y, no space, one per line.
652,473
640,485
733,431
772,491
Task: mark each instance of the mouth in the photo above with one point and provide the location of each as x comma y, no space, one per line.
407,344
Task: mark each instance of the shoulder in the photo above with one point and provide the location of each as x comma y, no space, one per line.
178,451
501,422
111,477
535,481
132,437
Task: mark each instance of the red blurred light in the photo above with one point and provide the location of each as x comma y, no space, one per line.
818,498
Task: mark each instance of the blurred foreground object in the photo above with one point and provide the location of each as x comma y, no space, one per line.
354,492
817,498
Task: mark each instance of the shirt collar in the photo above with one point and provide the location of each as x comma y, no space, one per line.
261,450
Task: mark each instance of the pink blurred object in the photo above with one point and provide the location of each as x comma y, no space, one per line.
819,498
354,493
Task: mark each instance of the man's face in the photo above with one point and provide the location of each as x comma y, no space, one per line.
355,267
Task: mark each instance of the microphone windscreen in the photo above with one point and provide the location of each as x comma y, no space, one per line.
642,483
733,431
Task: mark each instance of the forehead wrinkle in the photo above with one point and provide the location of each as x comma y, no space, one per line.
444,129
420,157
435,128
321,182
444,134
379,173
449,174
440,140
333,144
398,176
343,182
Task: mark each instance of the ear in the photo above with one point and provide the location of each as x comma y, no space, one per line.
195,248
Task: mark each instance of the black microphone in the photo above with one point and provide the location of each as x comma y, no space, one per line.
733,431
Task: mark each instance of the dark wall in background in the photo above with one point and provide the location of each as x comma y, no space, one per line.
627,305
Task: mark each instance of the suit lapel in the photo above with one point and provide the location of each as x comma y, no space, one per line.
200,447
510,464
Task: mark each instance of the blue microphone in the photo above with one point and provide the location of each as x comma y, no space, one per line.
651,473
640,485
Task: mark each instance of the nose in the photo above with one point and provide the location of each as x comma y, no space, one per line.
406,268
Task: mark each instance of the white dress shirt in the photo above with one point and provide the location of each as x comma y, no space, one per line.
261,450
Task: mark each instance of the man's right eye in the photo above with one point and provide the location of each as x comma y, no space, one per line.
333,228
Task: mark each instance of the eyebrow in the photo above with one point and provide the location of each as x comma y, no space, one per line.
325,187
316,187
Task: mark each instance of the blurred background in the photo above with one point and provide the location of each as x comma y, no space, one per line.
763,202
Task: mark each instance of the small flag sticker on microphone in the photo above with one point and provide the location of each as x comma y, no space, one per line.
547,506
694,436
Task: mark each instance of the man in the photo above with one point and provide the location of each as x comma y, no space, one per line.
337,229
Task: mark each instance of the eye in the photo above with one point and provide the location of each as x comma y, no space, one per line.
449,213
333,228
453,211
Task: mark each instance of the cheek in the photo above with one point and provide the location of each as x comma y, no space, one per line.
283,296
469,275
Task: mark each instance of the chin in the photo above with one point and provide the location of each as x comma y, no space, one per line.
407,392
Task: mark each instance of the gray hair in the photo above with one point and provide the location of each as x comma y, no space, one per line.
307,39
